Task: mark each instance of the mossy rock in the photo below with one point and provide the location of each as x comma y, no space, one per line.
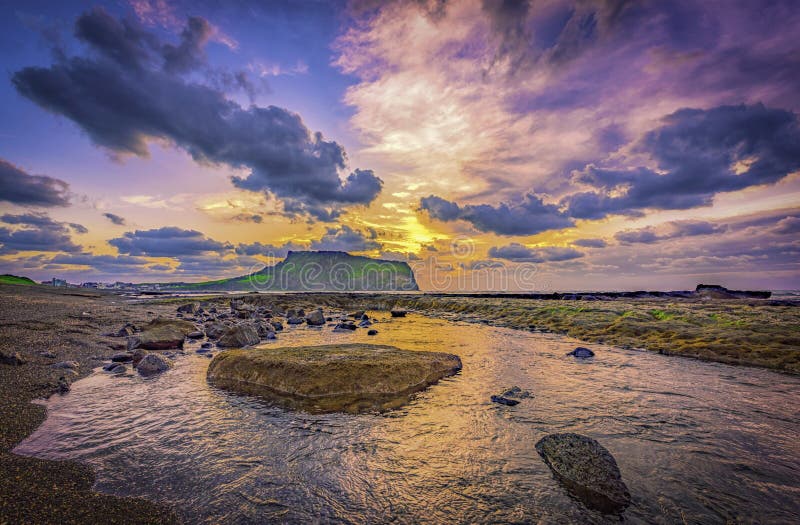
163,334
350,378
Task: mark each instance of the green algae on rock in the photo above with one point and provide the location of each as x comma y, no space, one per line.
332,378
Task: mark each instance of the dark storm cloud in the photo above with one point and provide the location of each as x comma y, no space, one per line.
169,241
671,230
519,253
698,153
590,243
19,187
525,217
101,263
37,232
127,93
190,53
116,219
346,239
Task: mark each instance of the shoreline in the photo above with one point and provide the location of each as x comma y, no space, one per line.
69,323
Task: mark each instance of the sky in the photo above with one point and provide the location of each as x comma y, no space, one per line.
545,145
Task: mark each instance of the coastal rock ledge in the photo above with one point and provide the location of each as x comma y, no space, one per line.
350,378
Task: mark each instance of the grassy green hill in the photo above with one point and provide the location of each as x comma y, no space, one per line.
15,279
317,272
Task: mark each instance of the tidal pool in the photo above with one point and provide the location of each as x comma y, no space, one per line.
696,442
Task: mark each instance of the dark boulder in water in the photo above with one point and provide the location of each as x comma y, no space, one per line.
504,401
398,313
588,471
372,332
581,353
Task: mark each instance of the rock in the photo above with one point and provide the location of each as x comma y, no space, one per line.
133,342
332,378
398,313
316,318
152,364
215,330
344,326
125,331
264,329
207,345
11,359
138,355
295,320
163,334
48,355
358,315
212,310
581,353
203,350
365,323
271,335
195,335
586,469
277,325
238,336
63,385
67,365
190,308
504,401
115,368
516,392
122,357
372,332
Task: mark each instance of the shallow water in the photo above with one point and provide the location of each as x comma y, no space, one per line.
695,442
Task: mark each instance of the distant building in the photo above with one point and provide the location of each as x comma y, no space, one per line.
58,282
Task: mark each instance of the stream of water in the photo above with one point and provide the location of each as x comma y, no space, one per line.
696,442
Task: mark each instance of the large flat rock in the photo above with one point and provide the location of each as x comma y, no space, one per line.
331,378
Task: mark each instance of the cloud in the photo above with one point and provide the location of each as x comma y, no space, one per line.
19,187
37,232
590,243
524,217
268,250
390,255
130,91
346,239
248,217
519,253
697,153
116,219
787,225
168,241
671,230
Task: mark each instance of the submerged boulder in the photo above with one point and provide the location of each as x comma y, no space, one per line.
238,336
332,378
586,469
163,334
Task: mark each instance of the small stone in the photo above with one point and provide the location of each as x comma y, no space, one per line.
207,344
122,357
372,332
195,335
316,318
153,364
398,313
48,355
505,401
581,353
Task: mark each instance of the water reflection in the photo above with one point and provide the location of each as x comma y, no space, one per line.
695,441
